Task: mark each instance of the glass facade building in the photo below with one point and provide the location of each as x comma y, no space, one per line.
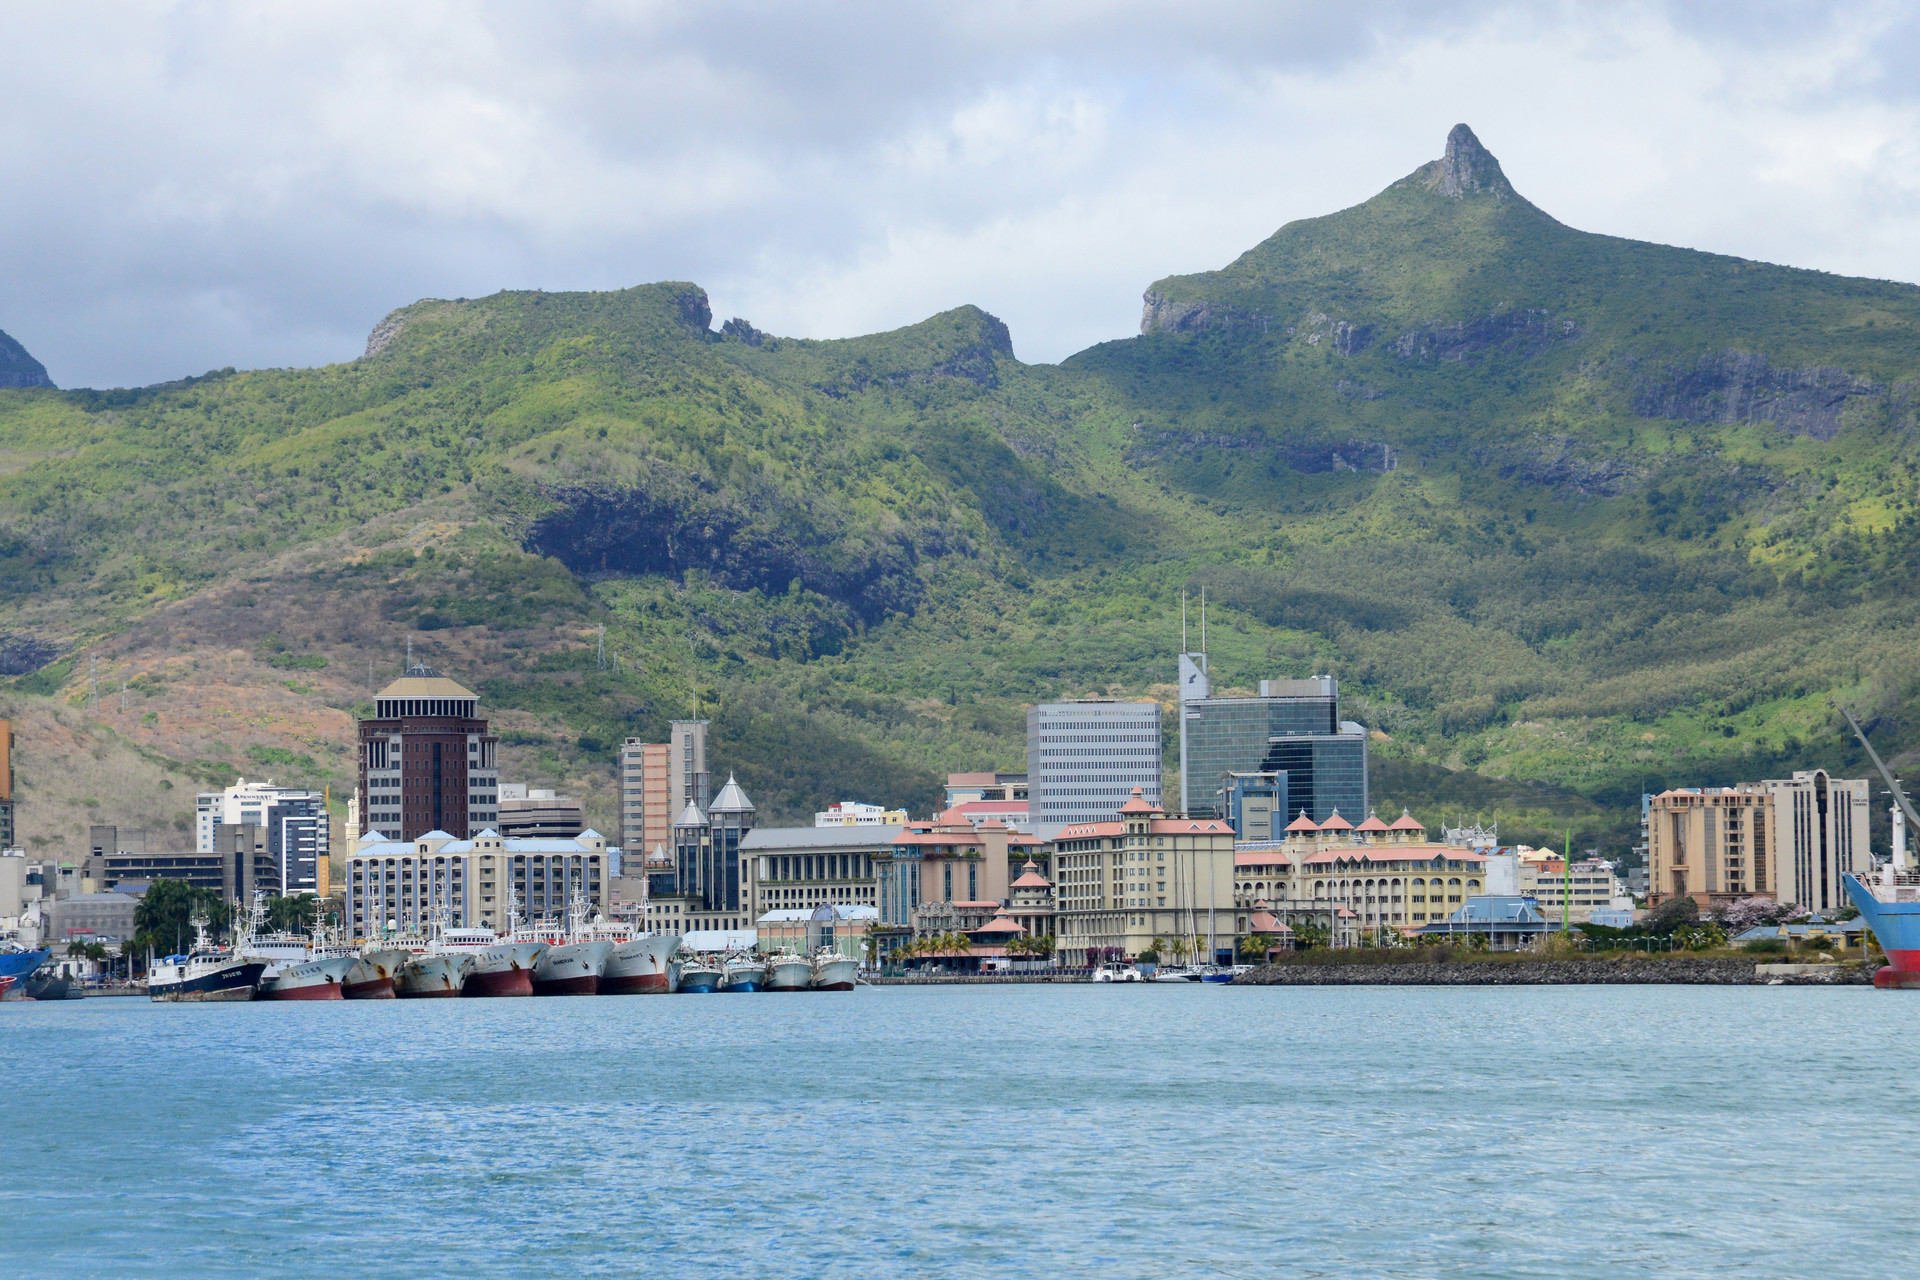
1294,730
1085,758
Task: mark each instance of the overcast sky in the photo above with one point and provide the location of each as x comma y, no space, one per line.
189,186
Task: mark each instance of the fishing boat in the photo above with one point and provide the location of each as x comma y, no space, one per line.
572,962
371,975
51,984
833,971
299,967
789,972
205,974
1177,974
1227,973
743,973
700,976
433,974
640,966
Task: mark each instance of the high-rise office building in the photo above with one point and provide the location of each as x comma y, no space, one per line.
646,797
1085,758
688,781
293,821
1292,729
6,785
427,762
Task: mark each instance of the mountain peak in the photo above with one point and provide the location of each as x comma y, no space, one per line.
18,368
1467,168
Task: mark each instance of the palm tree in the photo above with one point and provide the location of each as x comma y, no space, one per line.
1257,946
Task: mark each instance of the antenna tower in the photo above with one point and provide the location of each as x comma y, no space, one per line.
600,648
93,683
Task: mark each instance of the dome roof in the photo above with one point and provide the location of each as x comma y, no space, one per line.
691,816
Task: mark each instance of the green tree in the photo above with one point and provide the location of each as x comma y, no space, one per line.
1257,946
164,918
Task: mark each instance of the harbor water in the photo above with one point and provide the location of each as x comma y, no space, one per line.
1145,1131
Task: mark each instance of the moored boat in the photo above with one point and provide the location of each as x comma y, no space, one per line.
501,967
431,975
50,984
319,979
742,972
205,974
834,972
789,972
1890,905
571,969
700,976
640,966
372,974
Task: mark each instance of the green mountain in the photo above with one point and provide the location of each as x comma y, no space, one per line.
1571,516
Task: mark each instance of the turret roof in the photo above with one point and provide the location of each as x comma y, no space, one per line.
691,816
1138,803
1335,822
1373,823
1405,822
1303,823
731,799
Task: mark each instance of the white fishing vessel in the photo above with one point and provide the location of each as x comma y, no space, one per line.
432,971
207,973
640,966
743,972
572,962
833,971
789,972
700,975
299,967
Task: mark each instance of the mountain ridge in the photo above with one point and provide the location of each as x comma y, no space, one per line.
1566,512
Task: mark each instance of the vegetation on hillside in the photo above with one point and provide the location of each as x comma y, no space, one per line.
1571,517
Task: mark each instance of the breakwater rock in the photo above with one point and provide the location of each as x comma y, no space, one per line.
1531,971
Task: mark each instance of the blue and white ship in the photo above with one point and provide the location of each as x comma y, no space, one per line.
16,966
207,973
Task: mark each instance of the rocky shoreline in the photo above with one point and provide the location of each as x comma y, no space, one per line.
1627,968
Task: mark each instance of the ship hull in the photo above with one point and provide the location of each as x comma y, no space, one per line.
51,987
789,975
700,982
505,970
432,977
1896,926
310,980
233,982
372,977
642,966
835,975
18,964
571,969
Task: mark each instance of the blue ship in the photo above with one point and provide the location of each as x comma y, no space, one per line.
1896,925
18,964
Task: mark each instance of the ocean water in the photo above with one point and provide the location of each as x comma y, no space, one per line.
1154,1132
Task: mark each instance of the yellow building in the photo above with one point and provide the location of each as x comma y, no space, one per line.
1356,881
1121,884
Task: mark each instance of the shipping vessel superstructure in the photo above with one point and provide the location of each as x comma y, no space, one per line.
431,970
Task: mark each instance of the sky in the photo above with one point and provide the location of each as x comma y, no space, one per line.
192,186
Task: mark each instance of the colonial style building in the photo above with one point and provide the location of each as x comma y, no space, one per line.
1355,881
485,882
1123,883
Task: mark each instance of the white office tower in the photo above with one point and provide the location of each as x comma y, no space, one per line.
1085,758
295,820
688,780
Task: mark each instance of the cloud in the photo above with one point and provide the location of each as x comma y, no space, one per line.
197,185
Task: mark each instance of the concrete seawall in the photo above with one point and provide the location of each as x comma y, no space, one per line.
1495,972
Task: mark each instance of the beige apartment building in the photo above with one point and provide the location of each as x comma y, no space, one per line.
1590,887
1144,876
408,885
1356,881
1787,839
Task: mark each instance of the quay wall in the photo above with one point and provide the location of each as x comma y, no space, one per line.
1495,971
